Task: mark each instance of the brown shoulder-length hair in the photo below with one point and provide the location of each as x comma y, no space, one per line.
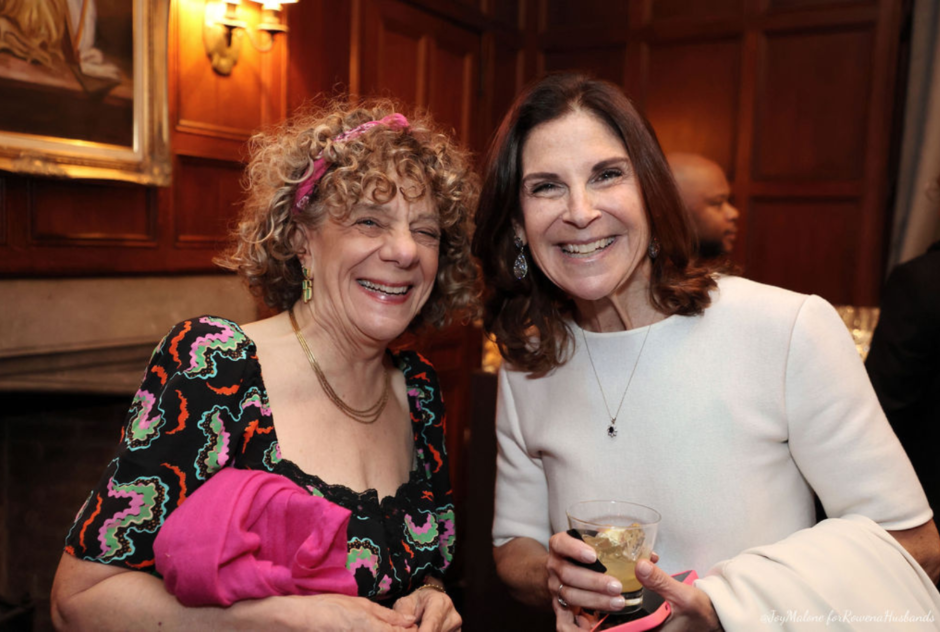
528,318
268,238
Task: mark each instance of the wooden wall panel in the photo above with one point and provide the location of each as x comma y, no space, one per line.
401,67
506,81
692,97
564,14
454,76
230,106
423,60
671,9
794,98
319,47
799,4
207,197
604,63
4,215
506,11
816,238
812,105
65,212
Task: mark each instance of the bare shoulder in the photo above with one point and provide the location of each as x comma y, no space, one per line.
268,330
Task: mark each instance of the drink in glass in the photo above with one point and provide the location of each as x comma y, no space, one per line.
621,533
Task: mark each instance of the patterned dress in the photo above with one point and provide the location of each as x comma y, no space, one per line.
203,406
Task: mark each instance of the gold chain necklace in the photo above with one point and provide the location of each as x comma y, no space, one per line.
363,416
612,428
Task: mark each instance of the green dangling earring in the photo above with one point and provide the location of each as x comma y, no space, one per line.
307,285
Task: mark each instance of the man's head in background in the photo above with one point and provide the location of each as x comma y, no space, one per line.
705,191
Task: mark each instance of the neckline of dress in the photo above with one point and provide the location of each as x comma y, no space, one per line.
346,495
369,495
627,333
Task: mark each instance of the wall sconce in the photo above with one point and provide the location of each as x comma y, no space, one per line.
223,31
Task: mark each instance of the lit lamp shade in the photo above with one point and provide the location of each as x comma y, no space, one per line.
270,15
274,5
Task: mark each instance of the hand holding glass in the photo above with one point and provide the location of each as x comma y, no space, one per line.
620,533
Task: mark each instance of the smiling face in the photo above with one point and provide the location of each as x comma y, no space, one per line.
374,269
583,213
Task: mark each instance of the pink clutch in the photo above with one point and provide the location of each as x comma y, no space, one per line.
248,534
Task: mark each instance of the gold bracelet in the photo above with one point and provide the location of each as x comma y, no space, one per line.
432,586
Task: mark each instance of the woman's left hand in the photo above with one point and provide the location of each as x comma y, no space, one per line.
691,608
432,609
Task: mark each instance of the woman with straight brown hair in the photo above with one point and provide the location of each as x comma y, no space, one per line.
635,373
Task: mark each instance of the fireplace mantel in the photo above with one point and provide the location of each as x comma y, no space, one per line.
96,335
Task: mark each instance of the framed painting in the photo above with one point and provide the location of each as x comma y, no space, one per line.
84,89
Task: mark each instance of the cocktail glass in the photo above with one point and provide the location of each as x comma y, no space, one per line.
621,533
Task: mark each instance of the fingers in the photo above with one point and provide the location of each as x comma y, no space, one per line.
577,586
433,618
658,580
689,604
588,619
691,607
439,615
453,622
654,557
390,616
564,619
594,600
407,605
564,545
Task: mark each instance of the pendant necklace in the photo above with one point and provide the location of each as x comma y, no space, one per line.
612,428
364,415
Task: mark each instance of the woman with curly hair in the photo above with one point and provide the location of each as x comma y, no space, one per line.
291,472
635,373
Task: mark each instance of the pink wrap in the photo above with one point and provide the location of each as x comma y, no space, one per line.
248,535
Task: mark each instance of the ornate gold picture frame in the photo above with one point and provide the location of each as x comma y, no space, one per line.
85,90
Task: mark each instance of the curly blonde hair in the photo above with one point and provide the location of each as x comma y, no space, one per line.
266,240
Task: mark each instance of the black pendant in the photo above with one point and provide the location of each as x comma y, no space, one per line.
611,430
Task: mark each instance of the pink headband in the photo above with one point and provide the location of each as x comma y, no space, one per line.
321,164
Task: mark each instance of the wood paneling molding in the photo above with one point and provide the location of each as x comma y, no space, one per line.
817,238
692,83
213,131
504,66
812,105
787,5
698,10
421,59
208,195
604,63
4,215
74,213
823,16
555,14
226,107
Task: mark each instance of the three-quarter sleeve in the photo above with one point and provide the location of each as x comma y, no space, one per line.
838,434
182,426
522,508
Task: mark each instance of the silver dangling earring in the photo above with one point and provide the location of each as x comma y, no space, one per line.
653,250
520,267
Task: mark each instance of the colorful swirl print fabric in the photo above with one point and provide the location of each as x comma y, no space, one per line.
202,406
